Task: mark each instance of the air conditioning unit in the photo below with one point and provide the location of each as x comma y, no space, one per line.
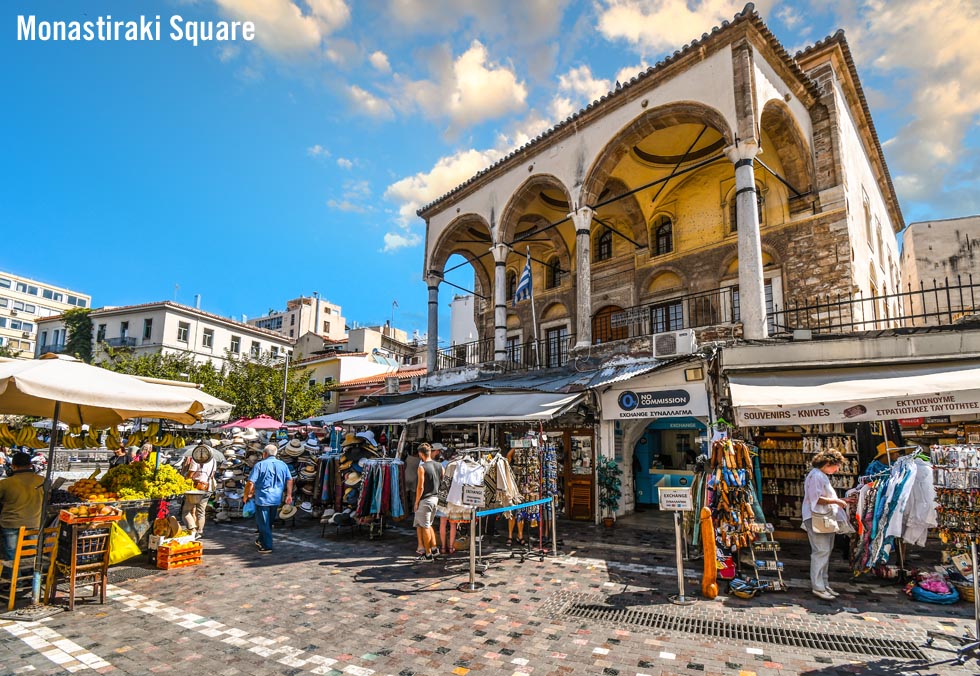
13,313
26,334
674,343
391,385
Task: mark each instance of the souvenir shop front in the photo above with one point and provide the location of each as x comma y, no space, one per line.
656,426
905,491
548,437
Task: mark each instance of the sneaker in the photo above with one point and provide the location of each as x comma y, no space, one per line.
435,553
831,592
263,550
424,557
258,543
824,594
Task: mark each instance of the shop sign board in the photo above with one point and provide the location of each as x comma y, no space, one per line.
473,496
911,422
675,499
677,401
885,408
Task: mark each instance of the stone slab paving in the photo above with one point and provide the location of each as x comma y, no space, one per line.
345,605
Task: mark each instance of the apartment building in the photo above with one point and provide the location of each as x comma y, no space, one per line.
167,327
25,301
305,315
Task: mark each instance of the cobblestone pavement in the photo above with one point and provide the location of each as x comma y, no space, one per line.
353,606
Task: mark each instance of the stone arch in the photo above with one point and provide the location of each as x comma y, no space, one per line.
646,276
623,210
664,281
790,145
555,310
661,117
513,321
522,199
540,250
465,232
729,265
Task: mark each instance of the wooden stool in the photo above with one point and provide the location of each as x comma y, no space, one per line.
83,560
28,540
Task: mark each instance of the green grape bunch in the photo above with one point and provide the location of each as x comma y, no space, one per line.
137,481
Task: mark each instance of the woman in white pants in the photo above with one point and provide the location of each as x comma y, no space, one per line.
820,500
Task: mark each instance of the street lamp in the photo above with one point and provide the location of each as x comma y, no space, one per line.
285,381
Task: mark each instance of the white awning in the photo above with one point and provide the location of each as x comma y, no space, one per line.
807,397
338,417
406,411
509,407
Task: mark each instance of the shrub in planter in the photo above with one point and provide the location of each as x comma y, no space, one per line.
609,476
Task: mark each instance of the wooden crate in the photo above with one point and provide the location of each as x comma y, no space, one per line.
179,556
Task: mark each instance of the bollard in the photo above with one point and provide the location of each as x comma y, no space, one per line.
472,585
554,529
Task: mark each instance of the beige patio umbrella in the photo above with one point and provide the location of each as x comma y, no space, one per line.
65,389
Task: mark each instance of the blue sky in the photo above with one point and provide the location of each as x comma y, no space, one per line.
254,172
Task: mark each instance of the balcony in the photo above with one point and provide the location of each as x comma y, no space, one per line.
56,348
122,341
715,314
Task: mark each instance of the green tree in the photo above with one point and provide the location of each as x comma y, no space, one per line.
9,352
169,366
254,385
78,326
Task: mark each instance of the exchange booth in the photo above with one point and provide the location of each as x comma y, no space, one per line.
662,427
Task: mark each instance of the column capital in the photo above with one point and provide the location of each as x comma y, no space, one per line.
432,279
743,150
582,218
500,253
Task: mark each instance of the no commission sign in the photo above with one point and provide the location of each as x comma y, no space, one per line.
667,402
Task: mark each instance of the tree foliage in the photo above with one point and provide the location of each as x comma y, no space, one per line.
253,385
7,351
78,327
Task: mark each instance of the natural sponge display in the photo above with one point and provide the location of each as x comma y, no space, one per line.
136,481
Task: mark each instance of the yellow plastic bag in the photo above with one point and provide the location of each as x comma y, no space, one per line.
121,546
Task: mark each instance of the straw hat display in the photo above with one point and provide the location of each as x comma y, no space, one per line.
287,512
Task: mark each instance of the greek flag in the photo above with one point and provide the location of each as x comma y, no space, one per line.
524,284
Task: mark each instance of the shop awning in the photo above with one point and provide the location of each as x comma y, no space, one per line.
510,407
338,417
406,411
833,395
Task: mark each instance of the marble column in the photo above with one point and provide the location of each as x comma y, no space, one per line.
500,252
582,218
751,285
432,348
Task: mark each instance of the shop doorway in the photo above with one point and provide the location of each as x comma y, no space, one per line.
664,455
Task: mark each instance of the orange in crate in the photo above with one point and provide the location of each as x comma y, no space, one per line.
90,514
179,555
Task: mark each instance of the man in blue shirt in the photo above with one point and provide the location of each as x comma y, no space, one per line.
268,481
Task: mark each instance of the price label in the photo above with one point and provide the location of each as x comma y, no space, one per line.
473,496
676,499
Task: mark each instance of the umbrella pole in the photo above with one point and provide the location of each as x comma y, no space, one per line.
39,555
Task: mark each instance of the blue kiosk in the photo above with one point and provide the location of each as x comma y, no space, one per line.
664,456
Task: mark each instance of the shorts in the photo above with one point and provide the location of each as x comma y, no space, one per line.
425,515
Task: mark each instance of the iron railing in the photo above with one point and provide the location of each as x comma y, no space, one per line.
935,305
122,341
57,348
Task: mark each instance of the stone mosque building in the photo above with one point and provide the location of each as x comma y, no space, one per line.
713,192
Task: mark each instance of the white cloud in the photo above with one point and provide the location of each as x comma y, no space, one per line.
355,199
227,52
317,150
344,163
522,22
380,61
931,52
468,91
394,241
281,26
367,103
789,15
346,205
659,25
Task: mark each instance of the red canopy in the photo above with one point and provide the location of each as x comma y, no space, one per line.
262,422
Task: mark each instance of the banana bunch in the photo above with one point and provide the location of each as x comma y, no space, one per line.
112,439
135,439
179,442
152,430
6,435
164,441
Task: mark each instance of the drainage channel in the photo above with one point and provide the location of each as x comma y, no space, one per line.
875,647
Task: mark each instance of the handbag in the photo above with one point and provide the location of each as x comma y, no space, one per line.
825,523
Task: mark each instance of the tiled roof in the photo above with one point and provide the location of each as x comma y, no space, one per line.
839,39
748,13
380,378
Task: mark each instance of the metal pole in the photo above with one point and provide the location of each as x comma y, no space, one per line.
473,548
554,529
976,591
285,381
680,599
45,497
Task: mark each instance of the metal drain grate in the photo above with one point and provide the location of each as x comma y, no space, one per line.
860,645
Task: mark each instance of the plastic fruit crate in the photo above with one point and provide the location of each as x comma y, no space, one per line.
170,565
67,517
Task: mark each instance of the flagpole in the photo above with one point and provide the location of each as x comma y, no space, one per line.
534,318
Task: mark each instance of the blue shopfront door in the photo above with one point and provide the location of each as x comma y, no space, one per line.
660,459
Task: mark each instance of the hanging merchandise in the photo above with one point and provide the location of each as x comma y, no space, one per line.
380,495
898,503
732,501
526,465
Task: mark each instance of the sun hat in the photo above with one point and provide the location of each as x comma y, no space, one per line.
306,506
250,435
885,447
287,512
306,489
255,445
231,483
352,479
350,440
345,464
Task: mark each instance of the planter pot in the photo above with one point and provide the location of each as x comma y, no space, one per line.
608,521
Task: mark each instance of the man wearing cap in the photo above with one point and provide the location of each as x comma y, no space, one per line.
269,480
20,501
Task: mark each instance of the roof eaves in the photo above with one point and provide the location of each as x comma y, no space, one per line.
840,40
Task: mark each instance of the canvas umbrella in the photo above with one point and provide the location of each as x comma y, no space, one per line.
68,390
234,423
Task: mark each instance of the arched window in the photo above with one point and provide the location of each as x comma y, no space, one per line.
552,273
663,236
511,284
733,209
603,245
